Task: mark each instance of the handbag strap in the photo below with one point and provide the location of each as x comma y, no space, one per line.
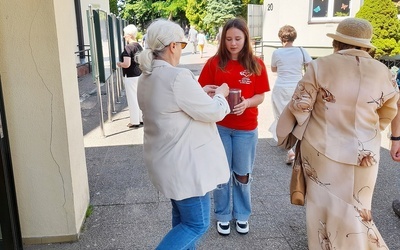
297,151
304,59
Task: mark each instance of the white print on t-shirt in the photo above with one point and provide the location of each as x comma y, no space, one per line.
246,77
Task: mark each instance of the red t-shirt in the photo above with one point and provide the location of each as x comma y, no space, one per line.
236,76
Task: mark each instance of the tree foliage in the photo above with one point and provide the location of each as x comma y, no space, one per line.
195,12
173,9
142,12
219,11
207,15
383,16
114,7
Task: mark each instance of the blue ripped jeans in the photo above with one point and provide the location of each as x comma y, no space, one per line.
240,148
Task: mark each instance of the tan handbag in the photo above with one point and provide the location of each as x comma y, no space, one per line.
297,182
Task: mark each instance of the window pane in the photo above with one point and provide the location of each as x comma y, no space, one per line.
341,8
320,8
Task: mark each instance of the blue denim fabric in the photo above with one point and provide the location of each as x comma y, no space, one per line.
190,220
240,148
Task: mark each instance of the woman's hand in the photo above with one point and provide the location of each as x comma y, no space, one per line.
241,107
223,90
210,89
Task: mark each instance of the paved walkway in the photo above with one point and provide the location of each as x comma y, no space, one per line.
130,214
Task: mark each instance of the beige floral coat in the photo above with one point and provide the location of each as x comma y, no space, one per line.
340,106
352,98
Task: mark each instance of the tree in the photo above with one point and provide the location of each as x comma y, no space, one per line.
171,9
383,16
219,11
195,12
142,12
114,7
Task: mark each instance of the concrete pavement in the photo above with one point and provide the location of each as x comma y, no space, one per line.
128,213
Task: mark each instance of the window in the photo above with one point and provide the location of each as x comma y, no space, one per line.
328,10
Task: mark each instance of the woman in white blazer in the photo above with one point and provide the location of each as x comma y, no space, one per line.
183,151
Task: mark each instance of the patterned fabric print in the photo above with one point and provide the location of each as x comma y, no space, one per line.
302,98
326,229
325,238
365,157
357,196
379,101
365,218
327,96
311,173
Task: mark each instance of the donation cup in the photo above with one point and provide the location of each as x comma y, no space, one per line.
234,98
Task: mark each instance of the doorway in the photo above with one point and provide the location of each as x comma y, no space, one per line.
10,233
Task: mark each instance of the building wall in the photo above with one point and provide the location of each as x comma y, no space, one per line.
38,73
311,33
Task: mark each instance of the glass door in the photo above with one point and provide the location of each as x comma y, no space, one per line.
10,233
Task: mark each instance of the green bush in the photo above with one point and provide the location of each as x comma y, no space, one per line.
383,16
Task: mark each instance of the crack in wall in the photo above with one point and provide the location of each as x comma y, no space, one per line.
41,7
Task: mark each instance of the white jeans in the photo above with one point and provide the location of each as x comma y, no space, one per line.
131,84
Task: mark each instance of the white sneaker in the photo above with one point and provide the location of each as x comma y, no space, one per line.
242,227
223,228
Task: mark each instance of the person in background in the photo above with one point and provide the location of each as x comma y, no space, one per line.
144,39
201,41
288,62
131,73
183,153
218,36
236,65
192,38
186,31
395,150
344,100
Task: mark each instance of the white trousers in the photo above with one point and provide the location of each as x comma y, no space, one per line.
131,84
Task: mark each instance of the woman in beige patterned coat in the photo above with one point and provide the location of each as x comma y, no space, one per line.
347,98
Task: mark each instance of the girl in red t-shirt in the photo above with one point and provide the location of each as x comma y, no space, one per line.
236,65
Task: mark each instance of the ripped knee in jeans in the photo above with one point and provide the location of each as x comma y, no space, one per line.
243,179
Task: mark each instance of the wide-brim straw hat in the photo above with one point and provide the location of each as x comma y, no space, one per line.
354,31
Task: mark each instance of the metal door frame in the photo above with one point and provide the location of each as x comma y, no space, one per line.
9,219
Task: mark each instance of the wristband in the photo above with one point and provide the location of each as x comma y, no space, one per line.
394,138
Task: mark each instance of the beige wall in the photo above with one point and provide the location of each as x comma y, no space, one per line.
37,68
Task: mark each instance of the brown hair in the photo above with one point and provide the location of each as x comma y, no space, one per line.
287,34
341,46
246,58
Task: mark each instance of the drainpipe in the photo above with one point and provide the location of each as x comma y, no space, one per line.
79,29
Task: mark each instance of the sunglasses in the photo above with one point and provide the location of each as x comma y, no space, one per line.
183,44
